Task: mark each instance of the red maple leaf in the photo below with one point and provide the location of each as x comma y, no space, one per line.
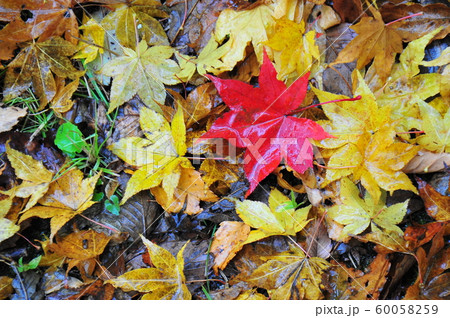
259,121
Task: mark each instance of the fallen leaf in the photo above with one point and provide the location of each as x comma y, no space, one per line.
251,295
242,28
134,21
66,197
35,177
7,229
290,275
436,204
436,127
276,219
421,234
433,16
46,18
368,285
6,288
257,121
10,117
366,147
349,11
164,281
357,214
222,171
294,50
35,65
92,40
376,41
187,194
228,241
143,72
426,162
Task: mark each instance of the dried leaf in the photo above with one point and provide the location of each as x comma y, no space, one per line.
10,117
436,204
426,162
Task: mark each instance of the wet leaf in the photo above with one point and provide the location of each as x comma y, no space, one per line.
6,288
276,219
294,50
66,197
143,72
7,229
436,204
290,275
258,121
35,65
164,281
35,177
70,139
436,127
46,18
134,21
366,147
426,162
358,215
228,241
92,40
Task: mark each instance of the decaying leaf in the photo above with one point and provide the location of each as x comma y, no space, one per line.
228,240
163,281
290,275
35,65
436,204
10,117
66,197
426,162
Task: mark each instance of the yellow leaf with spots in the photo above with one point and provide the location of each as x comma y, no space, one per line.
66,197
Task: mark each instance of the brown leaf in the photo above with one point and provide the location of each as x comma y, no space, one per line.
227,242
35,65
434,15
348,10
81,245
376,41
43,18
421,234
436,204
98,290
426,162
191,189
364,286
6,288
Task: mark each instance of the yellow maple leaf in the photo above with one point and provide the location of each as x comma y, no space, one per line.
135,20
242,28
276,219
294,51
358,214
143,72
209,60
66,197
436,127
93,33
366,139
35,177
405,85
165,280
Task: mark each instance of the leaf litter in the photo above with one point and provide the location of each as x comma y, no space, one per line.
214,157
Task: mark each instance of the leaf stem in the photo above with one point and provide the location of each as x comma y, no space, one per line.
331,101
404,18
35,246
